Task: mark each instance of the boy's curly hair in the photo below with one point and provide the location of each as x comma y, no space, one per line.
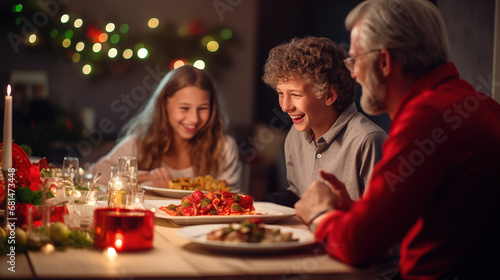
318,62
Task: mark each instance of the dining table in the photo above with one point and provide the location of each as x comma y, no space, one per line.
174,256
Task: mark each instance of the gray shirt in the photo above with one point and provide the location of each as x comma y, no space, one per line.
349,150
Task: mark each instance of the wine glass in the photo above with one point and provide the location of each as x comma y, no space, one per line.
86,174
70,167
70,170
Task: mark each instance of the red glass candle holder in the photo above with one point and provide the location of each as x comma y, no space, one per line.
123,229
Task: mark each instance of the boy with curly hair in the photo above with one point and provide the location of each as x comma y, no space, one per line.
316,90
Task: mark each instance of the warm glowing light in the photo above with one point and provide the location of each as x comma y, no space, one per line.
112,53
128,53
153,22
78,23
64,18
142,53
114,39
80,46
103,37
48,248
76,57
178,63
110,253
205,40
66,43
9,89
32,38
87,69
226,33
124,28
212,46
118,243
110,27
200,64
97,47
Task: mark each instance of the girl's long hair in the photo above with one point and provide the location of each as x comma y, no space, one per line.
154,132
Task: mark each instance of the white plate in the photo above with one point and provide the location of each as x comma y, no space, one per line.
198,234
270,213
173,193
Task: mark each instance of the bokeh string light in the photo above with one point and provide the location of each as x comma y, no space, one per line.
100,48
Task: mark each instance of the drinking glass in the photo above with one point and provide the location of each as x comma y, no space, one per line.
127,168
114,172
86,174
70,168
80,214
135,200
60,187
118,189
38,225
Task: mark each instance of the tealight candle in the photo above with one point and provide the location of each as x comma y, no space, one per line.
110,254
7,132
123,229
48,248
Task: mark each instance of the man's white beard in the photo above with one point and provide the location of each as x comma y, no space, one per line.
373,93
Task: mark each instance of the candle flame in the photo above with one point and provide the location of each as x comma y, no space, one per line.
110,253
8,89
118,241
48,248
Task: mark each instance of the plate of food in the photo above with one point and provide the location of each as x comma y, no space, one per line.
250,235
172,193
181,187
217,207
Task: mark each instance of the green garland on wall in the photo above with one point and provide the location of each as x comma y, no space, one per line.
111,48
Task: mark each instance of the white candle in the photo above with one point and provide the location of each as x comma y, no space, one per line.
7,132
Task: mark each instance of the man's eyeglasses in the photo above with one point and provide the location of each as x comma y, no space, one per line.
350,61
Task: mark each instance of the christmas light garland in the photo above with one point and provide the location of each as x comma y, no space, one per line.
111,48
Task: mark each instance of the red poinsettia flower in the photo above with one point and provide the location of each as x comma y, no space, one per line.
23,211
36,181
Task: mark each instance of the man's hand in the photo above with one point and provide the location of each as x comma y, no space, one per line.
316,199
320,197
343,201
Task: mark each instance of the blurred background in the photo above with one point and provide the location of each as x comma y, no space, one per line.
81,69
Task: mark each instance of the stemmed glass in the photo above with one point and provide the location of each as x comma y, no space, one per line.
70,167
70,170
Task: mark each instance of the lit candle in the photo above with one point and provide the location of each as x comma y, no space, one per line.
110,254
7,132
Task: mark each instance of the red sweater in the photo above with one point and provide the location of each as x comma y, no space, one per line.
436,188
